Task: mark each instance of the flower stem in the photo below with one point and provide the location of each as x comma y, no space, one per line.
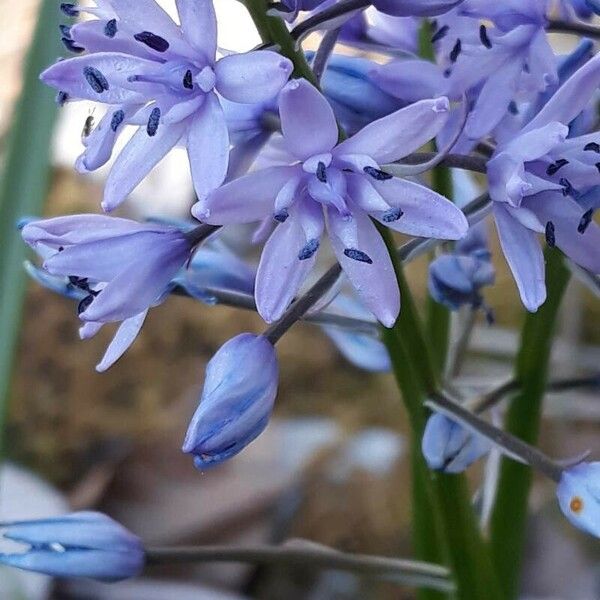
557,26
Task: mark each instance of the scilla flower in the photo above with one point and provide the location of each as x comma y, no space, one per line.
578,494
415,8
81,544
237,400
447,446
345,183
161,77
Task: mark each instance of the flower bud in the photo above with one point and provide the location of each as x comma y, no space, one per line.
237,400
81,544
447,446
578,494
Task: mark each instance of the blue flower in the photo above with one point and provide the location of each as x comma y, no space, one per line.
578,494
162,78
81,544
237,400
447,446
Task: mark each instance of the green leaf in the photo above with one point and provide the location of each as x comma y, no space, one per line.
24,185
523,420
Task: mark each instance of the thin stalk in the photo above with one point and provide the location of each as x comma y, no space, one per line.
461,347
508,523
558,26
466,162
322,55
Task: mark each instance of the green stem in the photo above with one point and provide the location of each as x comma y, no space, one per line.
273,30
23,187
523,420
452,523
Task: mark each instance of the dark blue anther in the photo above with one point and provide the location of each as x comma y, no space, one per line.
598,166
117,119
358,255
152,41
554,167
110,29
71,46
188,82
61,98
585,221
85,303
96,80
592,147
153,121
455,53
447,72
389,216
550,235
440,34
65,30
513,109
483,36
322,172
282,215
377,174
309,250
69,9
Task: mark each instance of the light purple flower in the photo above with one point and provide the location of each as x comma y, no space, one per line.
578,494
237,400
535,179
162,78
415,8
81,544
344,182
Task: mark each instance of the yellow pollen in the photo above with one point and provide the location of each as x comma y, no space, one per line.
576,504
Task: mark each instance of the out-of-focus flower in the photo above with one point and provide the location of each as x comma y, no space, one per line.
345,181
415,8
582,9
81,544
237,400
578,494
535,178
447,446
162,78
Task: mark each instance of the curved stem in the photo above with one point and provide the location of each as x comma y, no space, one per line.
584,29
326,47
307,554
201,233
456,161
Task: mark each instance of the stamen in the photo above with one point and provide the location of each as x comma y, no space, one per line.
456,51
377,174
567,187
447,72
440,34
71,46
309,250
188,82
483,36
585,221
69,9
358,255
282,215
110,29
550,234
592,147
392,215
322,172
513,109
153,121
152,41
96,80
85,304
117,119
61,98
598,166
554,167
65,30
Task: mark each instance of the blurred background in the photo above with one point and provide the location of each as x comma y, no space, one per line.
331,467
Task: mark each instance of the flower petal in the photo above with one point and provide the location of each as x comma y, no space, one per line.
307,120
397,135
125,336
252,77
199,26
208,146
374,282
244,200
524,256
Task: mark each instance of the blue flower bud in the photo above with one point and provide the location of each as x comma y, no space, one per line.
447,446
578,494
237,400
81,544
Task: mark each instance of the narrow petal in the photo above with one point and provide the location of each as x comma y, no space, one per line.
397,135
374,282
415,8
208,146
524,256
307,120
137,159
199,26
125,336
244,200
425,213
287,258
252,77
